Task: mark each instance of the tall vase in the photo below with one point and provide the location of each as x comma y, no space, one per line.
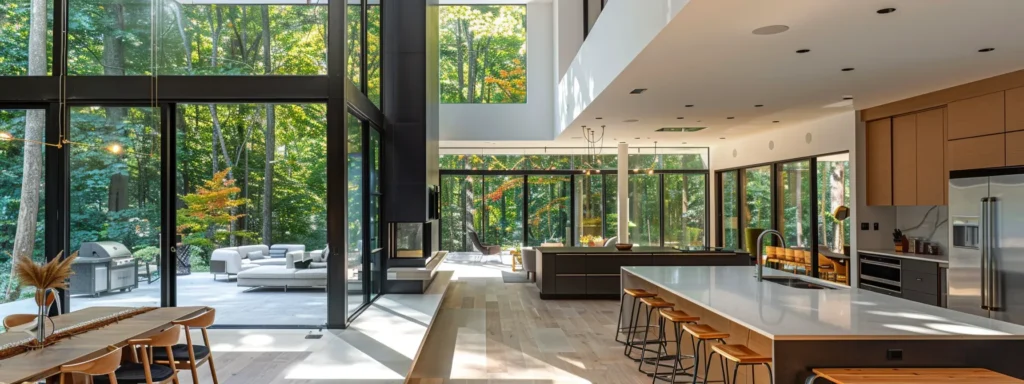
41,319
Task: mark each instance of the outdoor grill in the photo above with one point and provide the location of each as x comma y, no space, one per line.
103,266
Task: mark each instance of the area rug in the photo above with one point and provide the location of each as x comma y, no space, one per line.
514,277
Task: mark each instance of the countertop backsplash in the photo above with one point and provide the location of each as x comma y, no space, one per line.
928,217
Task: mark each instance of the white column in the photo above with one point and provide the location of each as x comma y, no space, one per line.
623,193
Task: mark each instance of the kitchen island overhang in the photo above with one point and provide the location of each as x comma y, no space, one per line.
840,327
594,273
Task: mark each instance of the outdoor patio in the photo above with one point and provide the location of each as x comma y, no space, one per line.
235,305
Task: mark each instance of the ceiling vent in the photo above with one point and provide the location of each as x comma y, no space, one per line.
693,129
638,91
670,129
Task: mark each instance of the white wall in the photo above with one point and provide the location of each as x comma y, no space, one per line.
569,30
529,121
621,33
837,133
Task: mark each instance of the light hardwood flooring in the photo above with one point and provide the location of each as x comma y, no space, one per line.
491,332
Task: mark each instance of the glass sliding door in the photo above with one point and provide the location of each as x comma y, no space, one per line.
730,209
589,210
795,206
354,233
548,220
757,198
461,211
685,210
644,210
833,183
503,210
251,181
22,202
375,229
114,202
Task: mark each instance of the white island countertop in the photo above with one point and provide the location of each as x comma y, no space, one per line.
784,313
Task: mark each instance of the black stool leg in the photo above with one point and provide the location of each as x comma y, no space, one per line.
677,362
618,324
632,330
643,349
662,346
696,360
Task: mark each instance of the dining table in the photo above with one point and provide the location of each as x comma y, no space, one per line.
40,364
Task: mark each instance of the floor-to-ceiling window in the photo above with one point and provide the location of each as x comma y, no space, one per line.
354,230
685,209
115,204
548,220
503,210
645,209
756,205
22,202
729,206
794,191
482,53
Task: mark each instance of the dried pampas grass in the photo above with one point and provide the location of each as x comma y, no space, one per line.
53,274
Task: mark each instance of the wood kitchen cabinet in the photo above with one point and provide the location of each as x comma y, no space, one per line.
1015,148
879,162
904,160
1015,110
932,178
977,116
976,152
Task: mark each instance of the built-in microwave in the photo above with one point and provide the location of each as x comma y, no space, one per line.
880,272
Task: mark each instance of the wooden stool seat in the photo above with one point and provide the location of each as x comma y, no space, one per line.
678,316
741,354
656,302
639,293
704,332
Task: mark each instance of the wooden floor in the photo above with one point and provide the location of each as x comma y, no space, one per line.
492,332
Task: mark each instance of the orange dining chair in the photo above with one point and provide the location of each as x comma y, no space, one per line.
142,369
104,365
11,321
190,355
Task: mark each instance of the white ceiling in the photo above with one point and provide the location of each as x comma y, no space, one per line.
708,57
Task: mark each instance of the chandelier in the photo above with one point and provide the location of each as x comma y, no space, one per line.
595,144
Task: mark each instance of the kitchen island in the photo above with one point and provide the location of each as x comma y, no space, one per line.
593,273
835,327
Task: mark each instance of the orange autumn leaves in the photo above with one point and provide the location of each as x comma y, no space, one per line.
511,82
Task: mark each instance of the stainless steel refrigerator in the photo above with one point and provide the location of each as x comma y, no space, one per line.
986,254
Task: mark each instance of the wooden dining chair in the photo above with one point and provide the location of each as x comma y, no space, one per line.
142,369
104,365
189,355
11,321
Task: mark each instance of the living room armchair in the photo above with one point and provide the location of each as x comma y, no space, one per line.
229,261
486,250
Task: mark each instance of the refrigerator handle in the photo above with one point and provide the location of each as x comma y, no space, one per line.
993,288
984,253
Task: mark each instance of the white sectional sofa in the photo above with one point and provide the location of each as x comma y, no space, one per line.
233,260
283,277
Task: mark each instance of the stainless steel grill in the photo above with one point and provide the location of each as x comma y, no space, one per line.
103,266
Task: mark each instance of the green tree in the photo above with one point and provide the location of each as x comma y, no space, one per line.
483,53
208,214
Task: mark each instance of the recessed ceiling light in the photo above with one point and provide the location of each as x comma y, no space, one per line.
684,142
771,30
599,118
803,50
721,138
776,121
630,121
986,50
638,91
577,137
847,97
730,117
758,105
884,11
679,118
689,105
848,69
636,138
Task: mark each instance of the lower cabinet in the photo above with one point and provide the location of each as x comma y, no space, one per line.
603,285
571,285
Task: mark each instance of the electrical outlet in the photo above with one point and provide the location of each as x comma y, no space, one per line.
865,226
876,226
894,354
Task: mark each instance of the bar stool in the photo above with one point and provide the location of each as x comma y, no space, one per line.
678,318
636,294
703,334
652,304
741,355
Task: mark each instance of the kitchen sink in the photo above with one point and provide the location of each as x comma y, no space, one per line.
794,282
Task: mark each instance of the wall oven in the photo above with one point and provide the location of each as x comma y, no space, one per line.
881,273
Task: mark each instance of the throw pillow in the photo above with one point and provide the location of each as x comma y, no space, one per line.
256,255
302,264
278,253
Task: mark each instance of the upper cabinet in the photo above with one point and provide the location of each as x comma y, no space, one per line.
977,116
904,160
932,178
1015,110
879,162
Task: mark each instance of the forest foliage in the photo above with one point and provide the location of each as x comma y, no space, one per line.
483,53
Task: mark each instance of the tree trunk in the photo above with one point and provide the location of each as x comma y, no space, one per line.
32,169
176,8
471,94
797,184
460,59
837,190
268,173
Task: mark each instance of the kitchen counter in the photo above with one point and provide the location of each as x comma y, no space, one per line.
942,259
842,327
782,313
635,250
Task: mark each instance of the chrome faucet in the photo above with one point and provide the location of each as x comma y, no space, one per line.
760,249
